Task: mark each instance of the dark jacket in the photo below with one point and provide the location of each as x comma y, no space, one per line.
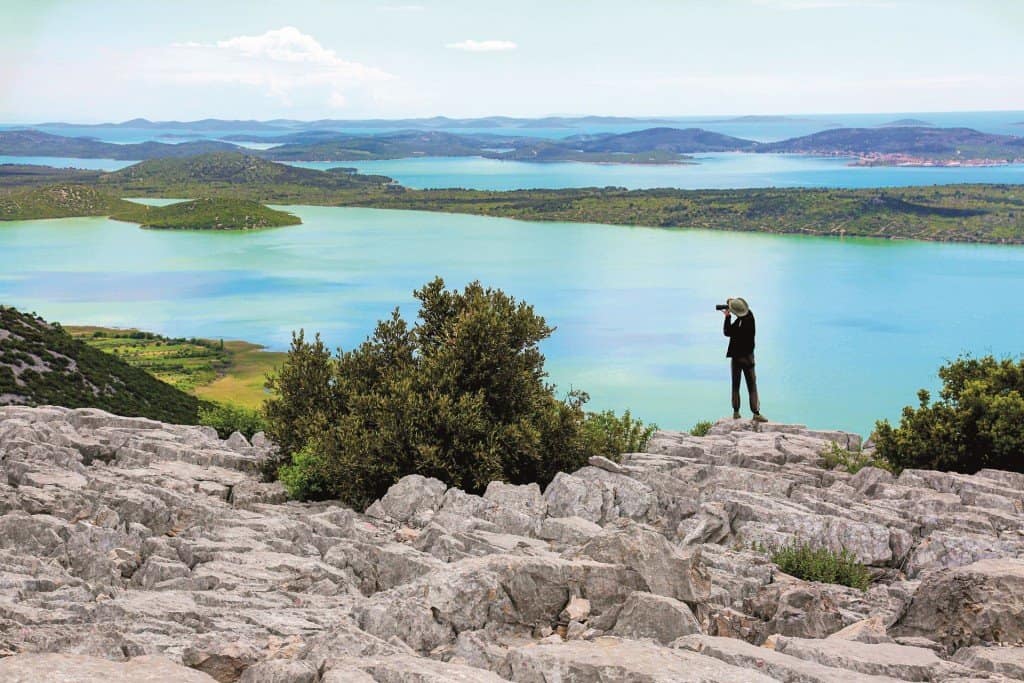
741,335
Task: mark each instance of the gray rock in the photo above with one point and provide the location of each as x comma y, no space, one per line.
978,604
61,668
1008,661
607,659
413,499
665,569
654,616
280,671
568,530
865,631
122,537
780,667
875,659
409,669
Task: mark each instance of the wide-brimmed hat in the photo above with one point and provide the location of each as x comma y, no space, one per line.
738,307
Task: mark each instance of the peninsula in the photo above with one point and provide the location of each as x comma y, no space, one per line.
961,213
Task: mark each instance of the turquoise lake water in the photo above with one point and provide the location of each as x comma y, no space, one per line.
720,170
848,330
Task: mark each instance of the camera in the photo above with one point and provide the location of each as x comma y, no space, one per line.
721,307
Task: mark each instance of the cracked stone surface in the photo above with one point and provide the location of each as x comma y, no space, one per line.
136,550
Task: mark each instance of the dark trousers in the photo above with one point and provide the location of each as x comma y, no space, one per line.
744,365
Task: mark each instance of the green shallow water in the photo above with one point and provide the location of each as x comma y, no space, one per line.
848,329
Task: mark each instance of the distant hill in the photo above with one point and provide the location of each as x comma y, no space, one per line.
384,146
207,214
904,122
912,140
41,364
236,176
679,140
58,201
233,168
40,144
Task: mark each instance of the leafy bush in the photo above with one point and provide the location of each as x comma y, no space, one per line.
309,474
229,418
701,428
852,461
811,563
460,395
610,435
978,421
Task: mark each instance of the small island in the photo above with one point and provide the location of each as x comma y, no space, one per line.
66,200
208,214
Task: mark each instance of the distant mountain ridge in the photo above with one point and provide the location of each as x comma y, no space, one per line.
30,142
910,140
661,144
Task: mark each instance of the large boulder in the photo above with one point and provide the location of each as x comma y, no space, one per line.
977,604
413,499
655,616
666,569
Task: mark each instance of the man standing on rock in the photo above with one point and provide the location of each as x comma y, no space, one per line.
741,351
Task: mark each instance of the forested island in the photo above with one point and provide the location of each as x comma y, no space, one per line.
207,214
67,200
962,213
901,142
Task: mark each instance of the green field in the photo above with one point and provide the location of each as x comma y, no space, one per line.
215,370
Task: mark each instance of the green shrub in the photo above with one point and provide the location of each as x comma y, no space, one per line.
610,435
977,422
852,461
701,428
229,418
307,476
460,395
811,563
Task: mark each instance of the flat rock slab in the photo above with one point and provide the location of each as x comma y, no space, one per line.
1008,661
611,660
60,668
772,663
876,659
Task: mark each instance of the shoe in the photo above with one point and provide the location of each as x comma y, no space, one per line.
736,415
758,417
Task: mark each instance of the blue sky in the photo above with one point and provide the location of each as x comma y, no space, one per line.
93,60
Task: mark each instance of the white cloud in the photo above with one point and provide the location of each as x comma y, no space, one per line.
483,45
287,63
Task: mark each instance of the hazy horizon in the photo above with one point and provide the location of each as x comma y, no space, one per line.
710,116
95,61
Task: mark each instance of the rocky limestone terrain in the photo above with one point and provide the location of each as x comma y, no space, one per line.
132,550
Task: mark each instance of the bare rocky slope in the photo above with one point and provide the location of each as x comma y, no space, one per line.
132,550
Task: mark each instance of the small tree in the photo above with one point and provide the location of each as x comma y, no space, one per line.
978,421
461,396
301,406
